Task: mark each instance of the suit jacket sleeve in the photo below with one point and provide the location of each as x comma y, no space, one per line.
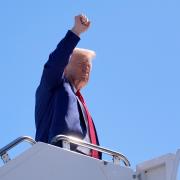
58,59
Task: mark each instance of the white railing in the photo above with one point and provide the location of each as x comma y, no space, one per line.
4,151
66,140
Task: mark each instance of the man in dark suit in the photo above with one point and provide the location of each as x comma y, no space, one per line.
60,108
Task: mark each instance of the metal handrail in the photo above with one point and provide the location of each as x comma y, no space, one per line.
116,155
16,142
3,151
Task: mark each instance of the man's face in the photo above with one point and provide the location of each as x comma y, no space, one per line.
80,72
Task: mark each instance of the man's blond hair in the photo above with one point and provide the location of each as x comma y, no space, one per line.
80,53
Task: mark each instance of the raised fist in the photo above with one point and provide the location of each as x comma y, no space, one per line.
81,24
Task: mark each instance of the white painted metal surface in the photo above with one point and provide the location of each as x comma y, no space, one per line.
161,168
47,162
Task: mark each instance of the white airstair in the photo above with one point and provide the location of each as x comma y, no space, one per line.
48,162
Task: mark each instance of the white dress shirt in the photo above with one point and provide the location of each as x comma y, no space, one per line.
87,137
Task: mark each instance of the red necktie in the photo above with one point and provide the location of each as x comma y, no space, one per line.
92,132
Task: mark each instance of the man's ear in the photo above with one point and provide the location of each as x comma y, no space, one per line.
66,71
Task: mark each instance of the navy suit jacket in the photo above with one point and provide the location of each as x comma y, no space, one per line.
57,110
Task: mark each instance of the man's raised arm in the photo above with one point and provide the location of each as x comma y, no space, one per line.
59,58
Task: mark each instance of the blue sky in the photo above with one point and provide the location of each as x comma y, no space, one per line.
133,93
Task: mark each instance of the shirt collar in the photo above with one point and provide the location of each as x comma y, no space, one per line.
74,89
